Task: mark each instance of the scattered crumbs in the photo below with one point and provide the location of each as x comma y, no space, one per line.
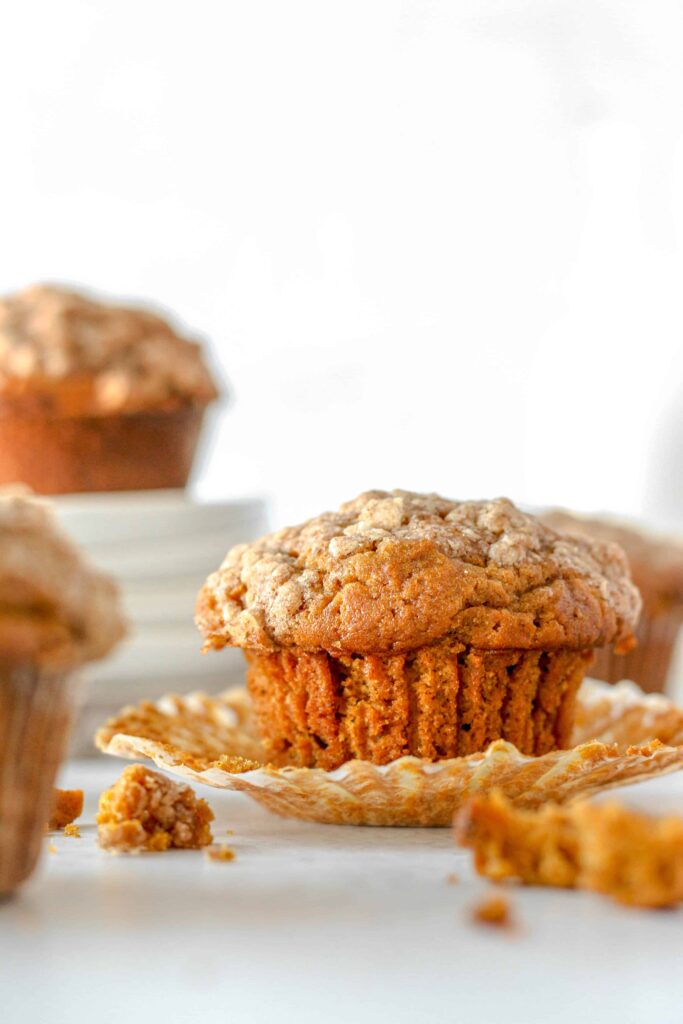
220,851
51,848
452,878
72,830
493,910
229,831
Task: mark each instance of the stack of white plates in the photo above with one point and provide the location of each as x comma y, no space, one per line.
160,546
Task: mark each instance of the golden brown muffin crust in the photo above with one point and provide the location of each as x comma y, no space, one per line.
391,571
66,354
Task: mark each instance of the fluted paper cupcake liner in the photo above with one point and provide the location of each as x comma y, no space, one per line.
621,735
35,715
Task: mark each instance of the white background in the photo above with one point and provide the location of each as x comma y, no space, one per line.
433,244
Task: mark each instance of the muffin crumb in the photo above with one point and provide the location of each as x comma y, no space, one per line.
452,878
493,911
606,848
67,805
219,852
72,830
51,848
145,811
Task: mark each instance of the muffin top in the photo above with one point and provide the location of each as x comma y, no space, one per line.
393,571
656,562
66,354
56,610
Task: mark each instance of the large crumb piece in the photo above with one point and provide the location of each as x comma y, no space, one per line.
494,910
144,810
67,805
636,859
72,830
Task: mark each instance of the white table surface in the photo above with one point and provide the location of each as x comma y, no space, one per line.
320,923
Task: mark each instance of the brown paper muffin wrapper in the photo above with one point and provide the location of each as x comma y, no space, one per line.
621,735
35,716
649,662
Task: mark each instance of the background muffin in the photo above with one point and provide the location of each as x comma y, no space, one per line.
56,612
410,624
657,569
96,397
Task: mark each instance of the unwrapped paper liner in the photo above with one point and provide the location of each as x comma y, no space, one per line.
621,735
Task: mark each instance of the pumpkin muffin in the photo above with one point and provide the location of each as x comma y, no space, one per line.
96,397
410,624
657,569
56,613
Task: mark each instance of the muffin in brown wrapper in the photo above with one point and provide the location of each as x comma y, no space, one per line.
408,624
656,565
96,397
56,612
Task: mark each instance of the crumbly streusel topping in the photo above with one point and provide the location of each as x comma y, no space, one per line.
124,359
145,810
53,603
396,570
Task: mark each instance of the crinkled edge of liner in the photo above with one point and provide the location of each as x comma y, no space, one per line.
622,696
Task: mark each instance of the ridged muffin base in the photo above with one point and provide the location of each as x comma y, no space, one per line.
448,700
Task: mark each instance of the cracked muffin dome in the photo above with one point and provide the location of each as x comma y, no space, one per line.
395,571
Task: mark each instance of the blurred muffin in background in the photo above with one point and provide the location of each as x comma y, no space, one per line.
56,613
657,570
96,397
411,624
